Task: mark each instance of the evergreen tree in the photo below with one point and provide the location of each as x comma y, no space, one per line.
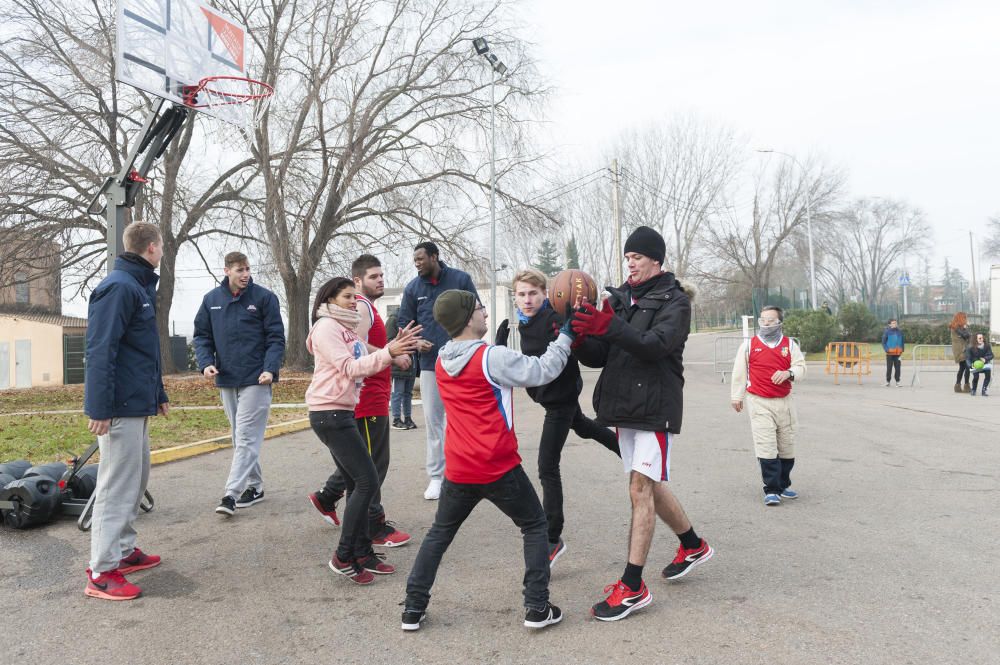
572,254
548,257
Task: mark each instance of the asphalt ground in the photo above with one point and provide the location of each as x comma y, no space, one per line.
887,557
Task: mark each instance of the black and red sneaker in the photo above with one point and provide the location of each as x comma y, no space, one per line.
555,551
622,602
328,511
687,559
137,560
111,585
351,570
375,564
389,536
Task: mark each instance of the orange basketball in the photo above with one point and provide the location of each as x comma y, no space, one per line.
566,286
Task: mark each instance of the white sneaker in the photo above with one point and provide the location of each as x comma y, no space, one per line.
433,491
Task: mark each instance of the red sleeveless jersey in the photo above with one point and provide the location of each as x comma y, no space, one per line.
479,441
374,398
763,363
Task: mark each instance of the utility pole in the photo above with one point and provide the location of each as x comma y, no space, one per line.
616,211
972,256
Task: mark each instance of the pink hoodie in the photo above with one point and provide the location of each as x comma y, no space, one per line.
342,361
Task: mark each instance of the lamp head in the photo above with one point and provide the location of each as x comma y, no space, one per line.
479,43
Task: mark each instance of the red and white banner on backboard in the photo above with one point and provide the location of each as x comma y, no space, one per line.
229,33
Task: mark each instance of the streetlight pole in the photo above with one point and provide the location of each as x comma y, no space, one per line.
496,67
809,229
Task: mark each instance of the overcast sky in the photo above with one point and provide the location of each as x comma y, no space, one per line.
903,95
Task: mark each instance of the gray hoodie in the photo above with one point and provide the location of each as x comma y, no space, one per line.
507,367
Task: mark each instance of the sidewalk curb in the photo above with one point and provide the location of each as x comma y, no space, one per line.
186,450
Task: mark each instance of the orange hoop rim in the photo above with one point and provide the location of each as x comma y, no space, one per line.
190,93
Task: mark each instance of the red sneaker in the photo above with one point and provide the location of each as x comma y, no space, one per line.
111,585
687,559
329,515
352,571
375,564
622,602
389,536
138,560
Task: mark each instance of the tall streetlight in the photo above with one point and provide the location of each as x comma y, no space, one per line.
809,228
496,67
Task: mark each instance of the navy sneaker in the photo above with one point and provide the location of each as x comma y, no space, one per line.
227,506
556,551
772,500
789,494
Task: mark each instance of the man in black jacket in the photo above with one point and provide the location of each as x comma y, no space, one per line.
538,326
638,337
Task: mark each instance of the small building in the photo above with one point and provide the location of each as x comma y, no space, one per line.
40,349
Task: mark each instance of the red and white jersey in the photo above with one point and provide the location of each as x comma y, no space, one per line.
479,441
762,362
374,399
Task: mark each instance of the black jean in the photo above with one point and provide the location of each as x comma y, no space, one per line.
558,422
337,430
892,362
987,375
374,432
963,371
513,494
776,473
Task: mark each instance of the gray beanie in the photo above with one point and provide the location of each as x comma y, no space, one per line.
453,309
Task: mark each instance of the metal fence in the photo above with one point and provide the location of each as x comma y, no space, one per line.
931,358
726,348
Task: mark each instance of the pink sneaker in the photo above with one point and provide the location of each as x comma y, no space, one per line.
111,585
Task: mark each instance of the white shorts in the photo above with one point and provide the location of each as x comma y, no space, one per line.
647,453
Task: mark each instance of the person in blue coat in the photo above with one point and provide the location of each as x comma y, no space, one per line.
123,387
239,340
433,278
893,345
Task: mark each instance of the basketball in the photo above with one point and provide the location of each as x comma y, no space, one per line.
979,364
567,285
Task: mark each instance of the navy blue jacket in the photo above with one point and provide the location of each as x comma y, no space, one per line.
241,335
123,377
418,303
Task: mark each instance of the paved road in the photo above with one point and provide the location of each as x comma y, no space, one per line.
888,557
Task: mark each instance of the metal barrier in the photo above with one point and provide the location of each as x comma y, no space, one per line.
924,354
725,353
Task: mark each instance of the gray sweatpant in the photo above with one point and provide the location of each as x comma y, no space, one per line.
247,408
121,482
434,422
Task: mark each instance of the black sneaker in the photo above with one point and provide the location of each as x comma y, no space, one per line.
412,619
398,424
688,559
249,497
542,618
227,506
622,602
410,424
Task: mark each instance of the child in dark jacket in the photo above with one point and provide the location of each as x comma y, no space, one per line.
980,350
538,326
893,345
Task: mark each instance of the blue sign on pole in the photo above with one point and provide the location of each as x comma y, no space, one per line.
904,280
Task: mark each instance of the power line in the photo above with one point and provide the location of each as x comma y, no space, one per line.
673,200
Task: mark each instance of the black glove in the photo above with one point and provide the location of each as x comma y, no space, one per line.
503,332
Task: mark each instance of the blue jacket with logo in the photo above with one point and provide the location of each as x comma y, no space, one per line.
418,304
123,377
241,335
892,341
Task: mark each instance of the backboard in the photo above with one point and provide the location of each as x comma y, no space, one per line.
164,45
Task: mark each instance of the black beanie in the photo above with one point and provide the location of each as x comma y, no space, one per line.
648,242
453,309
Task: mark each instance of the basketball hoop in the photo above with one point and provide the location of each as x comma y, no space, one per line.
236,100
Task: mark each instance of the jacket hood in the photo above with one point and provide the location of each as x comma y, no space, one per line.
455,355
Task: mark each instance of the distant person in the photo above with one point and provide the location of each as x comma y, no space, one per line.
401,400
123,386
433,278
826,308
342,362
239,340
538,326
979,357
893,345
960,339
763,373
475,381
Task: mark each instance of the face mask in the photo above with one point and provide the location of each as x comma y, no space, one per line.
770,334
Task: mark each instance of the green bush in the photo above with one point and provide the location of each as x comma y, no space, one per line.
858,324
813,329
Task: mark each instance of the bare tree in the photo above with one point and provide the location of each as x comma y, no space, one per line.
371,138
991,245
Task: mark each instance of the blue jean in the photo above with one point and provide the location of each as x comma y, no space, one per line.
402,398
513,494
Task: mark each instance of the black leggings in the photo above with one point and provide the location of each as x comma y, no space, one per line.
558,422
338,431
963,371
987,375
